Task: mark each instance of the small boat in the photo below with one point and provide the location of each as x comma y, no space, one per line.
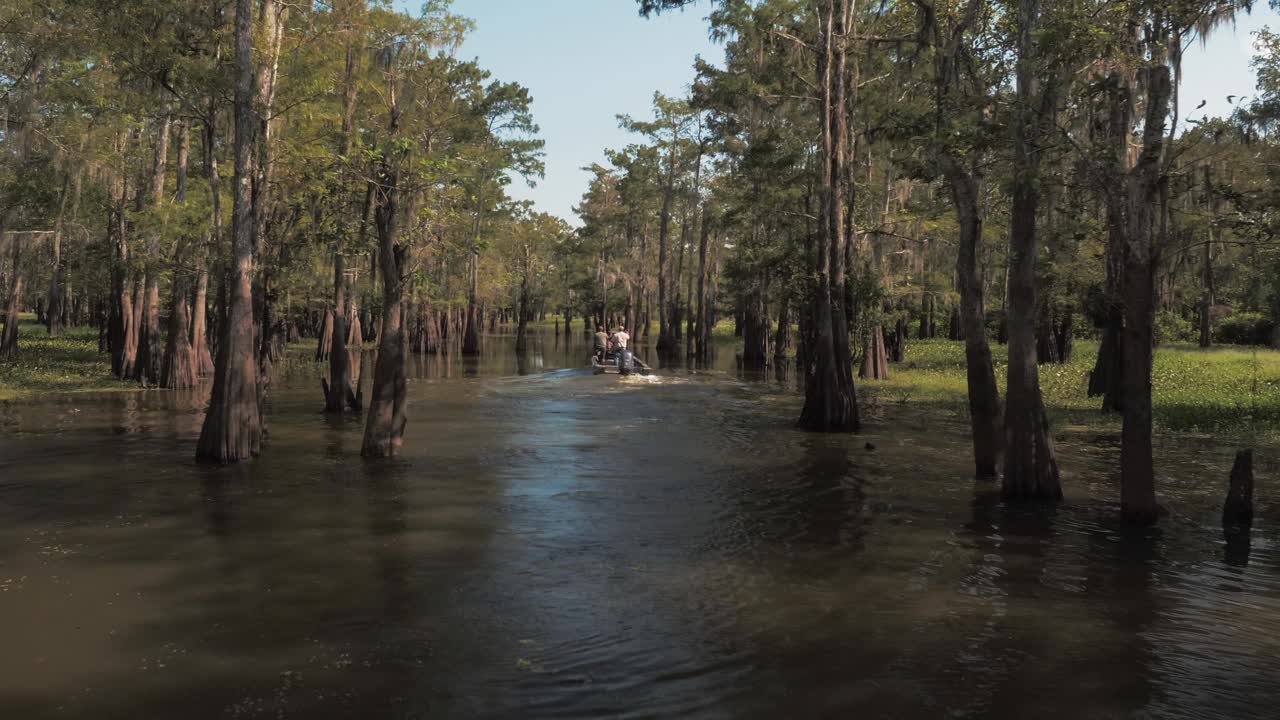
630,364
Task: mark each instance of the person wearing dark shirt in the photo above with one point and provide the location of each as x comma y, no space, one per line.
602,343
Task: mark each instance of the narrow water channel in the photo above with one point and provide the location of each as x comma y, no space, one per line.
559,544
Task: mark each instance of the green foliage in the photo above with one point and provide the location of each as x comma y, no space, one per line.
1245,328
1171,327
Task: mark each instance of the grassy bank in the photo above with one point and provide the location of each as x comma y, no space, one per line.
70,363
1230,390
1220,390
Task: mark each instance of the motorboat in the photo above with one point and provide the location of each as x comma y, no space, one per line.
613,365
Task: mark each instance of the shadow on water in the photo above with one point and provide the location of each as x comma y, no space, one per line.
554,543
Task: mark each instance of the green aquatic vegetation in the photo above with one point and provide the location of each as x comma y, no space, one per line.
1219,390
68,363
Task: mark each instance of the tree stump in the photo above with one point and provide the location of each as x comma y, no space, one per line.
1237,511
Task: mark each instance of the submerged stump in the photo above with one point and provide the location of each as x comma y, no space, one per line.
1237,511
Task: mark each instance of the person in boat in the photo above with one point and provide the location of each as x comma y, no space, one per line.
620,340
602,343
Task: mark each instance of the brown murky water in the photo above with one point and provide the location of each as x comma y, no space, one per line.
558,544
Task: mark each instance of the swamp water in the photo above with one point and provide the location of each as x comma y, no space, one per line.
558,544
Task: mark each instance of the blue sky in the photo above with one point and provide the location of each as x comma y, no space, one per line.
586,61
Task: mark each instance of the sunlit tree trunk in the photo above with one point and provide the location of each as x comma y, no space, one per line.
232,429
149,343
385,423
830,403
123,332
179,369
58,287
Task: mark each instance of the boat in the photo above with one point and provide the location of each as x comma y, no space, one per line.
630,364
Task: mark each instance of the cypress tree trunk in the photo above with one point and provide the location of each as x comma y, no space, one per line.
58,288
925,300
666,340
149,347
830,403
199,332
755,335
333,336
1064,337
875,356
523,326
338,393
200,304
471,331
709,318
1206,259
1108,371
677,303
782,335
385,423
1030,470
123,333
179,370
9,337
1046,346
232,429
384,427
355,328
324,340
984,397
697,344
898,348
1137,471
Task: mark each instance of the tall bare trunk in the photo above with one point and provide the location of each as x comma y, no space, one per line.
199,331
699,333
471,332
523,325
1030,469
830,403
13,305
179,369
384,426
339,394
1107,378
58,288
1206,259
149,343
123,331
666,337
1137,471
232,429
984,396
